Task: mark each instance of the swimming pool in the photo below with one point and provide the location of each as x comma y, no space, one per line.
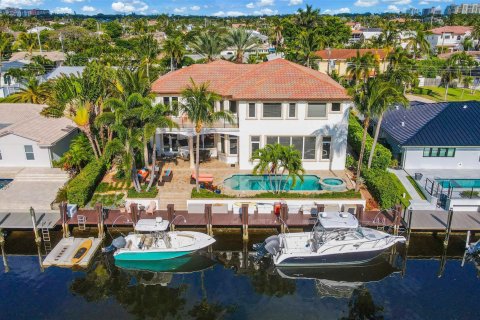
4,182
250,182
459,183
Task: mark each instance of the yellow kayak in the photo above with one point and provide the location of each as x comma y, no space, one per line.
82,251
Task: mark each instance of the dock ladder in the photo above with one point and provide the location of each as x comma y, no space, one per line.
82,220
46,238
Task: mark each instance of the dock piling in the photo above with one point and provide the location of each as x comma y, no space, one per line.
171,215
245,221
449,227
63,213
208,219
4,256
99,210
38,240
409,226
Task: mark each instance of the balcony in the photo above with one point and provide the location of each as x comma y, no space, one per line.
185,123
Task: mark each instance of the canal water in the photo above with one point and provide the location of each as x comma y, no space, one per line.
224,283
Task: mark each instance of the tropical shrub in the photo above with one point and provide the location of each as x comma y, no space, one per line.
152,193
385,188
81,188
382,156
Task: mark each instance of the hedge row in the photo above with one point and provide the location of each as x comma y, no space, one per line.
81,188
385,187
382,156
350,194
152,193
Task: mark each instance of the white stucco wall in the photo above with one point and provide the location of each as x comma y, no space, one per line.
335,125
13,153
465,158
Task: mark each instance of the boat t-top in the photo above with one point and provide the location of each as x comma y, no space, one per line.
151,242
336,239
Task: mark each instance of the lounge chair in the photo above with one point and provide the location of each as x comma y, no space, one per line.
167,176
204,178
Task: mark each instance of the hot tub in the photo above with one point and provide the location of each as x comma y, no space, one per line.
333,184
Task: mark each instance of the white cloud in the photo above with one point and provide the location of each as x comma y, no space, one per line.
180,10
88,9
228,14
337,11
366,3
195,8
72,1
129,6
434,1
393,8
250,5
295,2
398,2
265,3
265,12
20,3
64,10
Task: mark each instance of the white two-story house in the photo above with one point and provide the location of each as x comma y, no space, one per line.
273,102
448,38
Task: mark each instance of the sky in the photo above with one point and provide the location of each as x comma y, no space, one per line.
223,8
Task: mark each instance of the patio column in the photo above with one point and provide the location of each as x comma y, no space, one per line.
190,150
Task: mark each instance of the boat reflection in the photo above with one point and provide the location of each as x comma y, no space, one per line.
161,272
341,281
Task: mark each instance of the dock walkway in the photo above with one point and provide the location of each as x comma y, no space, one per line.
436,220
23,220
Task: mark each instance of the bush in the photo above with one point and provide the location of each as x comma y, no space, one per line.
132,193
381,157
81,188
385,188
207,194
350,162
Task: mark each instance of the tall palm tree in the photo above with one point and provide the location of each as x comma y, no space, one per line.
26,41
174,47
355,68
366,98
5,42
209,45
198,104
307,18
32,92
308,43
153,117
393,97
467,83
418,43
148,50
241,41
277,29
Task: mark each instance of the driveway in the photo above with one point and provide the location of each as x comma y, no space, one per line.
31,187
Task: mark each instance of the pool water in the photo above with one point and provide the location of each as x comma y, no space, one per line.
250,182
4,182
459,183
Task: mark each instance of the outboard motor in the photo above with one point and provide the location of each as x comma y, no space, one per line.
271,245
474,249
117,243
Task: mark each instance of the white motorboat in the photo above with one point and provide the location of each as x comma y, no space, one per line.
336,239
151,242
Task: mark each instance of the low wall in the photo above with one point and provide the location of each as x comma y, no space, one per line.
471,205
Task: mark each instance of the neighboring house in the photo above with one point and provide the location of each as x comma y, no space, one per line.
448,38
273,102
8,85
441,136
23,56
370,33
39,29
336,59
64,71
27,139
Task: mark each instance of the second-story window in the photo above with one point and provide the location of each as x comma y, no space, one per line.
292,110
252,110
316,110
166,101
233,107
336,107
272,110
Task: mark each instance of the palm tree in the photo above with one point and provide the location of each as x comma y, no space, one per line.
148,50
476,33
209,45
5,42
369,94
449,73
32,92
174,47
308,43
355,68
418,43
153,117
467,83
308,18
277,29
281,163
198,104
26,41
467,43
241,41
393,97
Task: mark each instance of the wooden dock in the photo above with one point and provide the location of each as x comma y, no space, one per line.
23,220
63,252
437,220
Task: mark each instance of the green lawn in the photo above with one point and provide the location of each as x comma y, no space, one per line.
454,94
417,188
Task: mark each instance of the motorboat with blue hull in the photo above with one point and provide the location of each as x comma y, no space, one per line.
336,239
151,242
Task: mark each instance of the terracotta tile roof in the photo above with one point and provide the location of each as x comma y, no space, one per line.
273,80
460,30
344,54
24,120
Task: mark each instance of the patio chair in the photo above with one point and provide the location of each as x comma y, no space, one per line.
151,207
167,176
202,178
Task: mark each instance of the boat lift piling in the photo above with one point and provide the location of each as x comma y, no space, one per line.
245,221
208,219
284,217
449,227
409,226
171,215
4,255
99,209
38,239
63,213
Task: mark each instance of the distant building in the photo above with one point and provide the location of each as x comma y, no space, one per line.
433,11
412,11
464,8
16,12
448,38
337,59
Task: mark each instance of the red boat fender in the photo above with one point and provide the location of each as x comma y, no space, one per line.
276,208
